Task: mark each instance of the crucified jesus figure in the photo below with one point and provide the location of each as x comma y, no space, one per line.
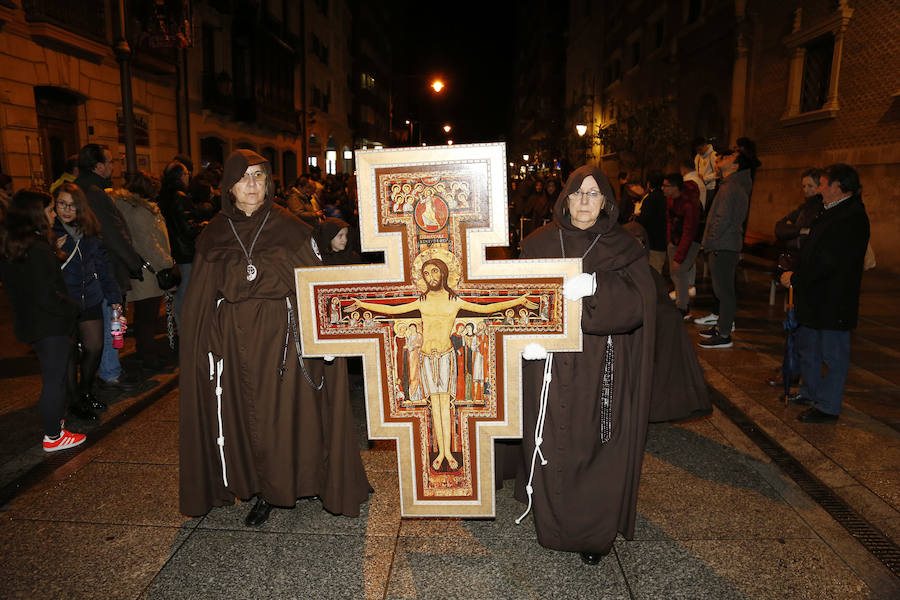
438,307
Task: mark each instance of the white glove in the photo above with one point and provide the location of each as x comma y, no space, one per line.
534,351
328,358
580,286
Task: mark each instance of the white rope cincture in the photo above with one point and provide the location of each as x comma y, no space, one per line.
539,432
221,439
212,368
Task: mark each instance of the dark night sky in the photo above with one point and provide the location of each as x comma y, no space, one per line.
471,46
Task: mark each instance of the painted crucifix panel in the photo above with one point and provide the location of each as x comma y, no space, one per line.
440,328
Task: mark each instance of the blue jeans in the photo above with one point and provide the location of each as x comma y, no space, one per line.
833,348
110,369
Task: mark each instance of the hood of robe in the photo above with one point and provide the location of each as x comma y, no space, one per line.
609,214
615,248
235,166
326,232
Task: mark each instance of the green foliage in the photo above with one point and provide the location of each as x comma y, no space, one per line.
645,136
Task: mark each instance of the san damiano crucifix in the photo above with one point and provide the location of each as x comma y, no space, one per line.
439,327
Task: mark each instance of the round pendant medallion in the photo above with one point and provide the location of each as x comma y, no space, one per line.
251,272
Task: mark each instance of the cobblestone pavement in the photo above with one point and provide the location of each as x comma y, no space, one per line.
720,516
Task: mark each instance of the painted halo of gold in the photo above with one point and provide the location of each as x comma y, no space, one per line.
450,259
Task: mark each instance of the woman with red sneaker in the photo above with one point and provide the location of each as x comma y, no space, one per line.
44,315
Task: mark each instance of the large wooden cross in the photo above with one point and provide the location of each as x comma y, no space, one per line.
440,328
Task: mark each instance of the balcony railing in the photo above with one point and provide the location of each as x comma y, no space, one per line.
86,18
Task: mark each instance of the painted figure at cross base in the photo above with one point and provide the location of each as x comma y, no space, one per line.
440,328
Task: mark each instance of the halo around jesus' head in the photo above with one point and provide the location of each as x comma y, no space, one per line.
442,254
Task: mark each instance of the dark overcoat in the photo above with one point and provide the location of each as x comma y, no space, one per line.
587,493
828,275
282,439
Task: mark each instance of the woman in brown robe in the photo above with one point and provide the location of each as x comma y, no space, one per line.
595,426
254,419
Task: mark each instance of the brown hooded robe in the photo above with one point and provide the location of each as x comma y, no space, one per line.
679,388
587,492
282,439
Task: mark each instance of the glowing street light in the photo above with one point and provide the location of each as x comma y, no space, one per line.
449,142
447,128
437,85
525,157
581,128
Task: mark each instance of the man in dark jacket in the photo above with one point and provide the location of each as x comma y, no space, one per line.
95,166
826,284
652,218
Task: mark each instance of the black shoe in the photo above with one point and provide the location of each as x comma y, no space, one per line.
116,385
259,514
591,558
716,341
799,400
814,415
82,411
709,332
94,402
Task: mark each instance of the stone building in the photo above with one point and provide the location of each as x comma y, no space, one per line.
60,89
372,69
270,75
811,81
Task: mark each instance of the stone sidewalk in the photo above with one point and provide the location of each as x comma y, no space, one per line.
717,518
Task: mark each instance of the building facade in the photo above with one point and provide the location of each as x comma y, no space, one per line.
372,73
813,82
60,89
207,77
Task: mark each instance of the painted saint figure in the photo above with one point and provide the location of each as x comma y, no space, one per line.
413,347
335,311
474,364
438,307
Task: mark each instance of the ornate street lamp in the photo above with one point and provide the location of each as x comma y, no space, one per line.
581,128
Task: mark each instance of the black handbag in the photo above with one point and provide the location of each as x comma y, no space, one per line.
168,278
165,278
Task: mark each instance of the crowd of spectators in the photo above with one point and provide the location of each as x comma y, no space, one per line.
123,249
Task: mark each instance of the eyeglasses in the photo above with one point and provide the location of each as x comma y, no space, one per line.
592,195
65,206
257,176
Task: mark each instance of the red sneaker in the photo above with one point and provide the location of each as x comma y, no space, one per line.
66,440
